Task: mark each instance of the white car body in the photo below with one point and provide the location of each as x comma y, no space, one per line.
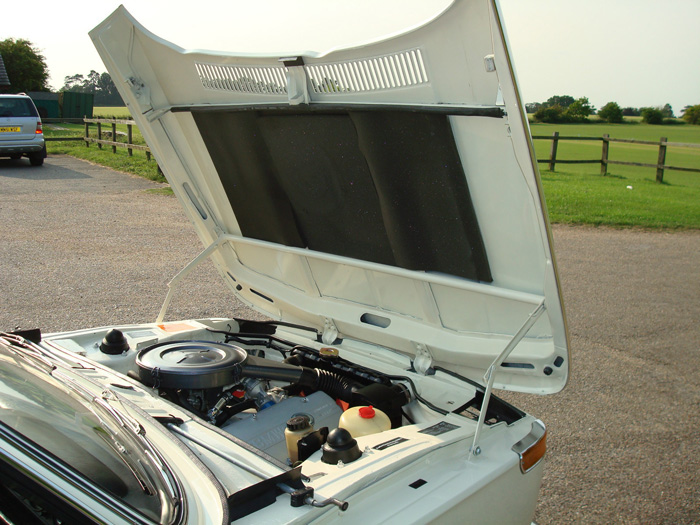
382,204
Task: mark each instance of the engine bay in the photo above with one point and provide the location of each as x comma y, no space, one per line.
253,385
287,395
272,409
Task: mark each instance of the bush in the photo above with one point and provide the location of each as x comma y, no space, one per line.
652,116
611,112
550,115
692,114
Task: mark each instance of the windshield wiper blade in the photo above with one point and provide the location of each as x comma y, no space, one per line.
127,437
121,432
140,456
28,351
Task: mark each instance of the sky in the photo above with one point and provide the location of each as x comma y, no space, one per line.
634,52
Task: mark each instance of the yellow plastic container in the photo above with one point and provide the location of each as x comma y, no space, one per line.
296,428
363,421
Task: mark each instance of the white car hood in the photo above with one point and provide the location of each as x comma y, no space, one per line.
387,193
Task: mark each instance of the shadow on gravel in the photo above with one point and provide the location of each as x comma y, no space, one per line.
21,169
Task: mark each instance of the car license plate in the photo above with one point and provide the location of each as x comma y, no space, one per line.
10,130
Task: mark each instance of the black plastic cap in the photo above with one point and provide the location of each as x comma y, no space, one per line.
114,343
298,423
340,446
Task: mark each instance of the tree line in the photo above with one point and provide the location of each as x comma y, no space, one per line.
27,70
561,109
99,84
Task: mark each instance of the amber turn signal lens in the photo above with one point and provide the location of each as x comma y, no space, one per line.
531,448
534,454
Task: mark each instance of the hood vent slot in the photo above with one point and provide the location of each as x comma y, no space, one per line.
399,70
261,80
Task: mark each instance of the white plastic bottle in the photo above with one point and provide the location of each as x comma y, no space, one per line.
363,421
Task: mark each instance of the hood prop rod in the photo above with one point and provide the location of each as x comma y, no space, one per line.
489,376
183,273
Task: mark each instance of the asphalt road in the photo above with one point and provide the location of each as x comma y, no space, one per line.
85,246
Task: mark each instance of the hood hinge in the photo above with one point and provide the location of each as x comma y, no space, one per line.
423,362
141,91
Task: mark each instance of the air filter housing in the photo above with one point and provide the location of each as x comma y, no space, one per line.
190,364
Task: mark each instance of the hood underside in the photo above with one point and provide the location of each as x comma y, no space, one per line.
385,193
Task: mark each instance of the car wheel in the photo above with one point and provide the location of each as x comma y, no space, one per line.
36,159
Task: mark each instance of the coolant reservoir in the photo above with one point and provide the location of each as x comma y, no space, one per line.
363,421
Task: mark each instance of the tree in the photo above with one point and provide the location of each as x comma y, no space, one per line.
532,107
73,83
611,112
691,114
100,85
579,110
631,112
560,100
652,116
25,67
109,96
667,111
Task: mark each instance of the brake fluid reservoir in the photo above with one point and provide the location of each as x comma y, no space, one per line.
297,428
363,421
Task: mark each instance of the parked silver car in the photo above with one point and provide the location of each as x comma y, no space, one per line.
21,132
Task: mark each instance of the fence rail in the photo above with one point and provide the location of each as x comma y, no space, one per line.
552,160
604,159
100,141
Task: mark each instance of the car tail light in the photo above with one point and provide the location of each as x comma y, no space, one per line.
531,448
39,128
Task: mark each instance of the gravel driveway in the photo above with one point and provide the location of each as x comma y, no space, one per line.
86,246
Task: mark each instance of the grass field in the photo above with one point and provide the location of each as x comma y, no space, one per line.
111,112
575,193
137,164
578,194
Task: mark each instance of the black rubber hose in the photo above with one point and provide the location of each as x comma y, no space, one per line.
335,385
264,369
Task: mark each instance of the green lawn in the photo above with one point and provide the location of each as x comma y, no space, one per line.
137,164
575,193
578,194
111,112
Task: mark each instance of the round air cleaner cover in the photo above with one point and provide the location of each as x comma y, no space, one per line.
190,364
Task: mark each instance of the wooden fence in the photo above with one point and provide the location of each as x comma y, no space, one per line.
552,161
99,140
604,159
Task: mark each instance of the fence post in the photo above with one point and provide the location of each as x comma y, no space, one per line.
553,151
604,156
87,134
662,160
128,139
99,134
114,136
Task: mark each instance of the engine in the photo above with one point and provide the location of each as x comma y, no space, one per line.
255,397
